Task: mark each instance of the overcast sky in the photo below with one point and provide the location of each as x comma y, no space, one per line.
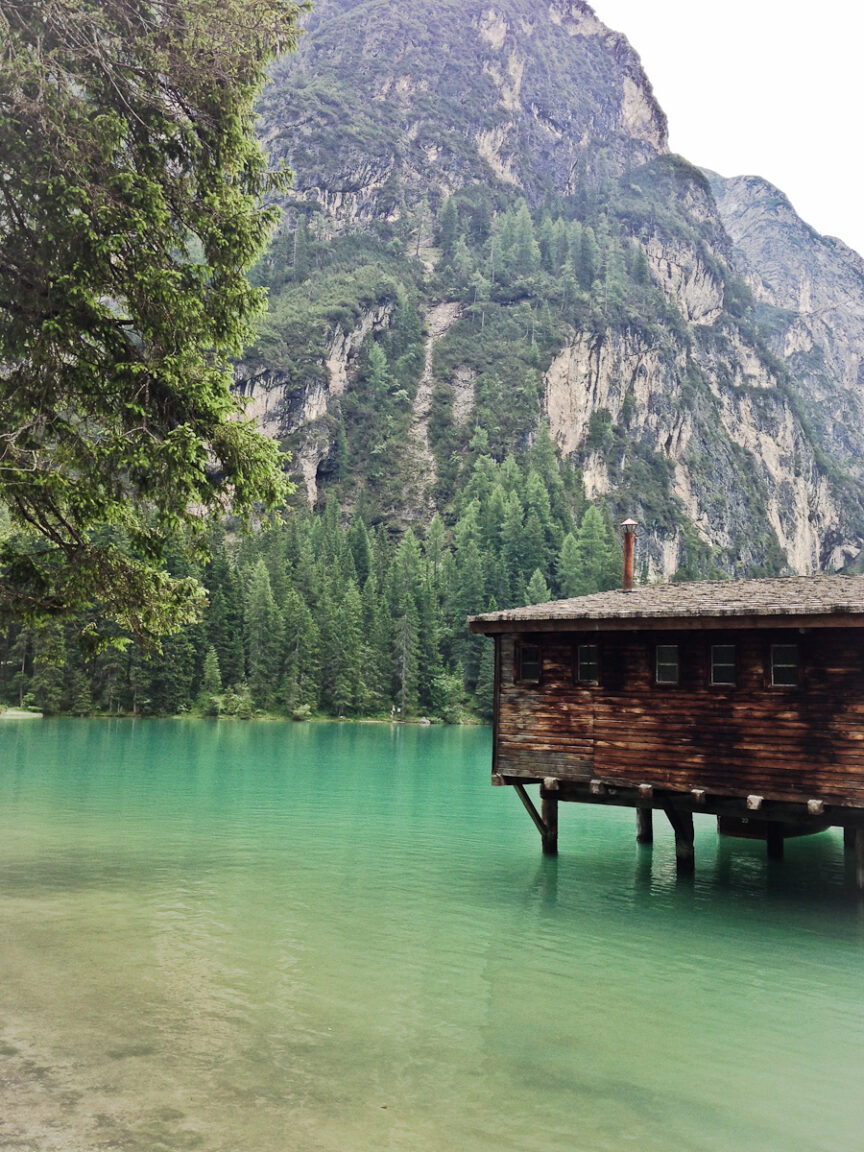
764,88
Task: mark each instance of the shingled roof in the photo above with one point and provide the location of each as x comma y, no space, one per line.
818,601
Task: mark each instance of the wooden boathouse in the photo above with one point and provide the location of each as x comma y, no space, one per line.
743,699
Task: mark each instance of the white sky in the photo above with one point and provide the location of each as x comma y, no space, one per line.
760,87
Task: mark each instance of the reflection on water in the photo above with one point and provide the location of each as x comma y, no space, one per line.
340,938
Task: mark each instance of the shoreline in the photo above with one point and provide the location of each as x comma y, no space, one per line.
415,722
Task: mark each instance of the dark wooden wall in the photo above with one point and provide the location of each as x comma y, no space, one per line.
783,743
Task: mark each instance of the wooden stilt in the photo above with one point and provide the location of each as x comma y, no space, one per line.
549,810
775,841
859,858
682,826
644,826
849,839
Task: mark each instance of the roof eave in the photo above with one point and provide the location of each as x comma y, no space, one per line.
492,627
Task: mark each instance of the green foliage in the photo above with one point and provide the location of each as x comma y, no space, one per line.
132,206
324,616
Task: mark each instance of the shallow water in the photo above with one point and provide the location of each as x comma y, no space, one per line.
339,938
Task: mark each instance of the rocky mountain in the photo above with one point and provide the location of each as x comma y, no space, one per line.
387,104
809,291
487,240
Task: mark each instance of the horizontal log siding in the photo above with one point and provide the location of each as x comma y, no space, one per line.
796,743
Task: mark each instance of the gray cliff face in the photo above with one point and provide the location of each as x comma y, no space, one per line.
425,98
727,421
811,289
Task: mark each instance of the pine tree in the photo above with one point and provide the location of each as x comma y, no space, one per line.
512,545
599,559
348,691
568,567
526,251
81,703
449,229
640,272
405,660
377,648
538,590
263,637
211,683
589,259
172,675
301,656
49,661
481,220
300,261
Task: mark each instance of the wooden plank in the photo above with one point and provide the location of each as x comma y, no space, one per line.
530,809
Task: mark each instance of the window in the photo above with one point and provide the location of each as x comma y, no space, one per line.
667,664
529,662
784,665
588,664
723,664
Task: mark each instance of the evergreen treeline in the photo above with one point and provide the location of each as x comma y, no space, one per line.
340,618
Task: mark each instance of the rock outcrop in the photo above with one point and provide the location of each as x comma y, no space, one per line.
422,100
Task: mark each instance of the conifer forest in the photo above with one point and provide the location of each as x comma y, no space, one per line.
316,616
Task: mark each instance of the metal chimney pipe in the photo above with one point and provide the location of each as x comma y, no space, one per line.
629,527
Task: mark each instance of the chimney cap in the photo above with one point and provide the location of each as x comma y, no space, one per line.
630,524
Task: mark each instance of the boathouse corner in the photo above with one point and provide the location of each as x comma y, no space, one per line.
742,699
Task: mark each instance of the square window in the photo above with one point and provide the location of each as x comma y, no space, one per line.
588,664
724,668
667,664
784,665
529,662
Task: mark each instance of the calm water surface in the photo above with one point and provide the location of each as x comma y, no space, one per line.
334,938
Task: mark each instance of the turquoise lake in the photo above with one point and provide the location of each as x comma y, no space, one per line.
340,938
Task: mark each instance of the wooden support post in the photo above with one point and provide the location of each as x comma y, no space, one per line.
774,840
547,824
529,807
849,839
682,826
550,819
644,826
859,858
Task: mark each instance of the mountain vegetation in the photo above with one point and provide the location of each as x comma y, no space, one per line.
316,616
